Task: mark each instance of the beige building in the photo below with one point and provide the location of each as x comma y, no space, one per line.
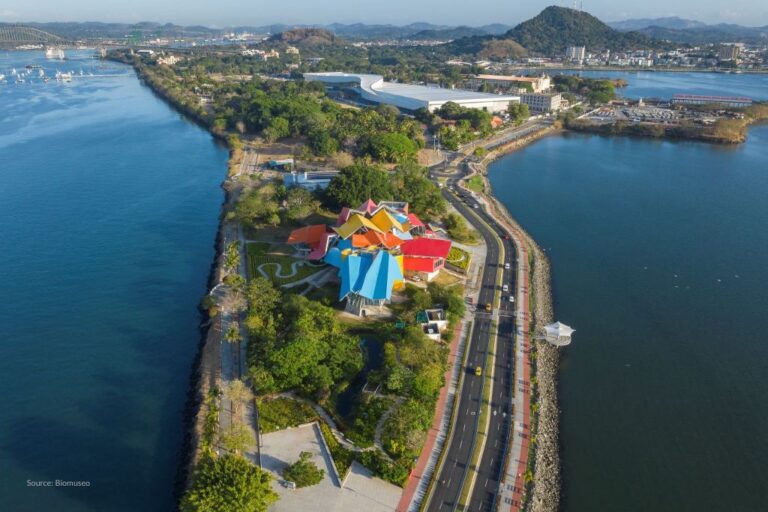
542,102
728,52
538,83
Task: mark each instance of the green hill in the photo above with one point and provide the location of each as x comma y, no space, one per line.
556,28
306,37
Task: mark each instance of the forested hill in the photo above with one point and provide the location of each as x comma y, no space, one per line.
307,37
556,28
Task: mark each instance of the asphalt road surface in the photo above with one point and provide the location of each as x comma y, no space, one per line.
454,471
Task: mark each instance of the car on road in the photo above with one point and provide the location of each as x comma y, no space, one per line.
506,266
506,237
475,206
511,298
478,371
505,287
488,306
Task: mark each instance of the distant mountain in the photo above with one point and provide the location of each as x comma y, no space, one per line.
495,29
361,31
672,22
556,28
447,34
709,34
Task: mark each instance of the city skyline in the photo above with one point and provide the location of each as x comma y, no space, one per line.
448,12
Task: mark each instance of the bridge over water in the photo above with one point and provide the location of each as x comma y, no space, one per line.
12,35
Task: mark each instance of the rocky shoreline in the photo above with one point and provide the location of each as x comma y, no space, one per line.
544,496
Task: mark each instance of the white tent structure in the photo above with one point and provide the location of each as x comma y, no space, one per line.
558,334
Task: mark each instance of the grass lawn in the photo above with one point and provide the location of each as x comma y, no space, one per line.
281,412
476,183
260,253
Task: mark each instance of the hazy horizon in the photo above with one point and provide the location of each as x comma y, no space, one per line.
229,13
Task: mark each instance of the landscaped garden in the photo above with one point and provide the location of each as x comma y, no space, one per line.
459,258
277,262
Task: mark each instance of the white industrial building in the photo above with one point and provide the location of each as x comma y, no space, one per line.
374,89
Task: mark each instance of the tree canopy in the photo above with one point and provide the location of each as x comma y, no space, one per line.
297,344
356,184
228,484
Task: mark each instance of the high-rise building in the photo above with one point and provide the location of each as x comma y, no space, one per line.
728,52
575,53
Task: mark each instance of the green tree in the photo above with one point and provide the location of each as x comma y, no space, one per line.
356,184
457,228
237,392
259,207
391,147
518,112
412,184
299,204
277,128
237,439
304,472
228,484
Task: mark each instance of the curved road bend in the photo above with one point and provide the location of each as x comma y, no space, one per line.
454,470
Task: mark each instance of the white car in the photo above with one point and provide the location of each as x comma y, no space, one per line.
505,288
511,298
506,266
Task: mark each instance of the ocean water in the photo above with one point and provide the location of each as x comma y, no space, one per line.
109,204
658,254
661,84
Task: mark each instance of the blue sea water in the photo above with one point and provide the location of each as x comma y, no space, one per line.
664,84
658,253
109,204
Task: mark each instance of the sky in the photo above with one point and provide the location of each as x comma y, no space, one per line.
223,13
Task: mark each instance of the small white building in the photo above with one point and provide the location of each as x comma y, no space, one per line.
433,322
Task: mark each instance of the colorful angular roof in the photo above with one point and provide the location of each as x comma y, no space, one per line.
343,216
380,277
310,235
415,221
386,221
318,252
368,207
356,222
426,247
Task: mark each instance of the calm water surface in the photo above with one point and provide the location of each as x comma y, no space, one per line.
652,84
108,212
659,262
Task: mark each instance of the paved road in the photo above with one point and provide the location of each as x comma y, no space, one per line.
448,484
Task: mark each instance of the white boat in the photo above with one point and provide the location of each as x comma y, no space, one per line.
53,52
40,73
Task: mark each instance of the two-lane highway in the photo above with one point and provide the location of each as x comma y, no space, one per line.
455,467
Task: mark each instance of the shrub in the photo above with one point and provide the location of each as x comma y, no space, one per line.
304,472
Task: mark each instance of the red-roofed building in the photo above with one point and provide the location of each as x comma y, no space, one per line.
425,256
